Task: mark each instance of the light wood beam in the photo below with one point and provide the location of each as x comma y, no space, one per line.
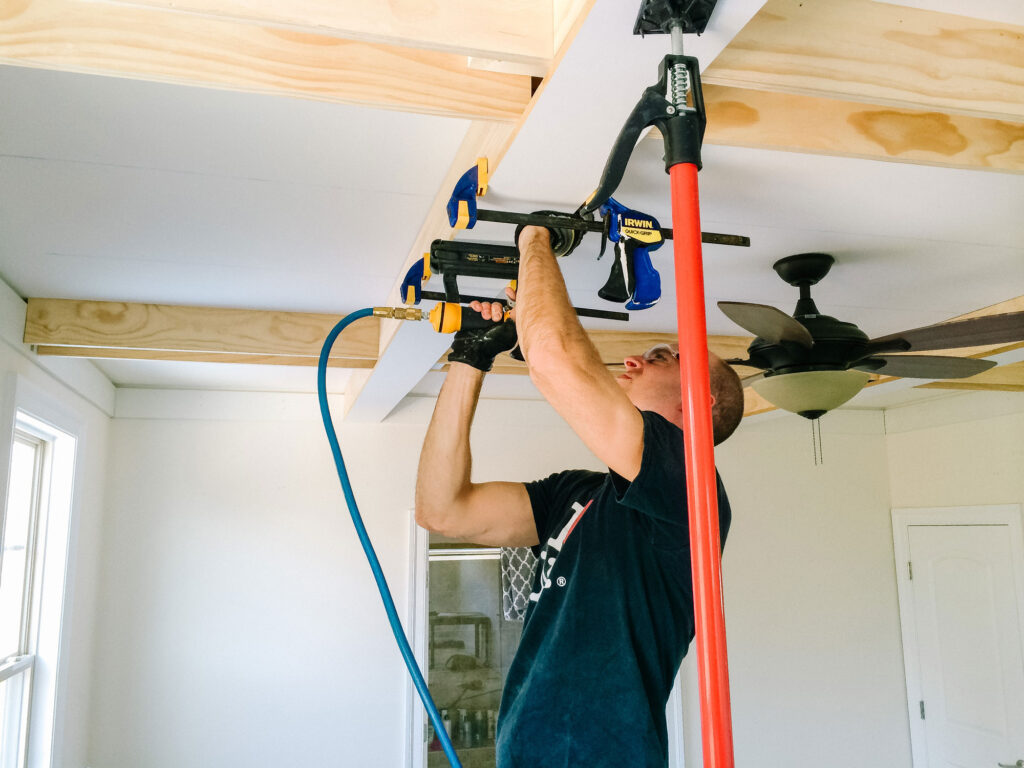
101,353
771,120
507,30
567,15
863,51
146,44
106,330
124,331
161,331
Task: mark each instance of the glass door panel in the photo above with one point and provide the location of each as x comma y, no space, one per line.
470,645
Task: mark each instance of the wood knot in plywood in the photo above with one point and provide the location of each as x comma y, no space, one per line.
12,8
112,314
734,114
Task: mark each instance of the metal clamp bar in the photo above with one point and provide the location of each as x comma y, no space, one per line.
603,314
540,220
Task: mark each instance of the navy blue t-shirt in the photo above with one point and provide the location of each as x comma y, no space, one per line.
610,616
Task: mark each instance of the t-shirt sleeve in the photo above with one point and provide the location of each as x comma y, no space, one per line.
659,489
551,496
542,495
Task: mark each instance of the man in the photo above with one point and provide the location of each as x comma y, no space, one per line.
611,613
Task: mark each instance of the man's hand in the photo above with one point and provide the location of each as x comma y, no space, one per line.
479,347
562,241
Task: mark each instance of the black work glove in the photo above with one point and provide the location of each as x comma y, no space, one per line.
563,241
479,347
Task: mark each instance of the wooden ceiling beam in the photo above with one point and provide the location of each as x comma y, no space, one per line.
107,330
782,121
877,53
165,332
115,329
505,30
147,44
109,353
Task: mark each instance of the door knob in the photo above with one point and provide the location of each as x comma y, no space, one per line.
1018,764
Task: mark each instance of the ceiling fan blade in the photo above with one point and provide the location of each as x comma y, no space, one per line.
975,332
771,324
746,381
924,366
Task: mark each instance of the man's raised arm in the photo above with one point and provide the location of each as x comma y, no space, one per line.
447,502
564,364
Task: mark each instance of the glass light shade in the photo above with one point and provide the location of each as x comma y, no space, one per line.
811,391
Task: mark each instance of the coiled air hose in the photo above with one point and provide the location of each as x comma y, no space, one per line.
357,521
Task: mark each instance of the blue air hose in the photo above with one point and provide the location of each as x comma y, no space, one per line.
364,539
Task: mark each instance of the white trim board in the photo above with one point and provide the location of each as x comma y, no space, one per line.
416,620
79,376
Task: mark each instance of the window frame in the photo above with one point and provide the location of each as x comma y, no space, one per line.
22,663
28,407
40,467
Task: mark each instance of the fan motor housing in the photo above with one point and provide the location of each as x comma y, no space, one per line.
836,343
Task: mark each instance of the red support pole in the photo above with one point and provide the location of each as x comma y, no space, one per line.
701,488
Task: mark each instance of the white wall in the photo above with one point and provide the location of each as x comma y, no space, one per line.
240,626
72,393
811,608
961,451
239,623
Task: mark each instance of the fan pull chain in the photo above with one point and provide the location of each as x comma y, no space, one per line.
819,457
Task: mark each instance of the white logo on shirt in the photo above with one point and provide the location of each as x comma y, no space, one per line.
551,550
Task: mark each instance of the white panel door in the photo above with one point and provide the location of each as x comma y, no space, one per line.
967,611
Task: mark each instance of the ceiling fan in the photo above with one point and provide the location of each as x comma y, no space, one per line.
812,363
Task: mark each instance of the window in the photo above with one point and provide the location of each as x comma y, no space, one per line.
33,555
17,561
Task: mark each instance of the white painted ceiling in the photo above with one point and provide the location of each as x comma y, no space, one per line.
118,189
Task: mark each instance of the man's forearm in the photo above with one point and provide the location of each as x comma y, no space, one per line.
546,322
445,462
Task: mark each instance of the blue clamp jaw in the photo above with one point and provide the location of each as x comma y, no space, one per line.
462,203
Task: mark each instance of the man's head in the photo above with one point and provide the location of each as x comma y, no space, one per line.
651,382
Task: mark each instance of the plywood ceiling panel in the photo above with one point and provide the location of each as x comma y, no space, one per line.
124,41
878,53
509,30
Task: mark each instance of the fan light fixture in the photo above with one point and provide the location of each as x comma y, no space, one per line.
811,393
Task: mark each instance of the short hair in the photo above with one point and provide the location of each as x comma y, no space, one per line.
727,390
